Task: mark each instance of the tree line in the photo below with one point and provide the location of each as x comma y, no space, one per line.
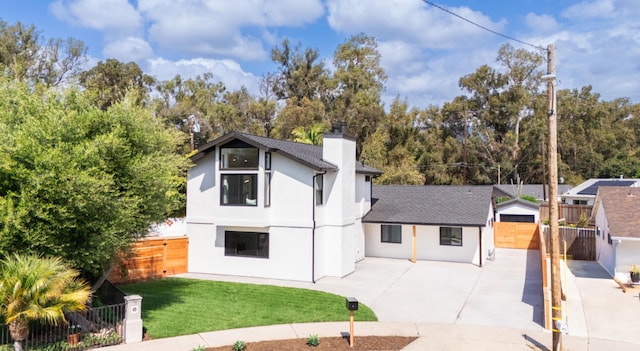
100,153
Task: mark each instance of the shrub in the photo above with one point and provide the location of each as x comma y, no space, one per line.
199,348
239,345
313,340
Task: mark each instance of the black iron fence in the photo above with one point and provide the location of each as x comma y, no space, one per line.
95,327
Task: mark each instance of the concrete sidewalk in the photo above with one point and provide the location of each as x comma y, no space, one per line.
430,337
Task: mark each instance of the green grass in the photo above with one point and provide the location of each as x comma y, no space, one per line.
176,306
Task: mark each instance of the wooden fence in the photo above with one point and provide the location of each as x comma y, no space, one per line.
152,258
572,214
516,235
579,243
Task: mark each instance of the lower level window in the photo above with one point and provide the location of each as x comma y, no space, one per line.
391,234
246,244
451,236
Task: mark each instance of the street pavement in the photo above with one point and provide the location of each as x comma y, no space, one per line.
454,306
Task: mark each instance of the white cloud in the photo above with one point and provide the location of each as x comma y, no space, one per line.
227,71
591,9
102,15
128,49
222,27
541,23
412,21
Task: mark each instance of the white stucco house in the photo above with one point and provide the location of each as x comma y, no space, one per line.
271,208
432,222
616,212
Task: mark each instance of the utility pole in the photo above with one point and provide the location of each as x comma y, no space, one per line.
556,291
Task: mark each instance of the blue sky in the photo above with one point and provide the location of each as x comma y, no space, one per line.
425,51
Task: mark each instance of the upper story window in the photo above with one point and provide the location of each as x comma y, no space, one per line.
238,155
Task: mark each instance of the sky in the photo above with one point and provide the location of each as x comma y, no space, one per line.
424,50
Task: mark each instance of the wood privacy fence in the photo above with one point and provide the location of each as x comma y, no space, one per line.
512,235
580,243
572,214
152,258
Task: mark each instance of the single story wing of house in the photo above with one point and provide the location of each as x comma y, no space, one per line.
431,222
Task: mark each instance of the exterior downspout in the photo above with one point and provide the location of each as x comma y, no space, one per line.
313,228
480,241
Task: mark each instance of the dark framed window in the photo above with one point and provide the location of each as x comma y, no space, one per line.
367,178
267,189
319,187
451,236
246,244
391,234
239,189
267,161
238,155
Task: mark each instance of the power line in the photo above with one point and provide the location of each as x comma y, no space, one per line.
483,27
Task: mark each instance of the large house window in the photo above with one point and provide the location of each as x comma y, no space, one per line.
238,155
451,236
319,186
391,234
239,189
246,244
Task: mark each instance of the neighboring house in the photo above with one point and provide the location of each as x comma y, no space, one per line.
451,223
617,221
270,208
585,193
518,210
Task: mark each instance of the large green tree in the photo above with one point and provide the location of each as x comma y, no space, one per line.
78,182
110,81
38,288
26,55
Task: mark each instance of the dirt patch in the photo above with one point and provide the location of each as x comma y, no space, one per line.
361,343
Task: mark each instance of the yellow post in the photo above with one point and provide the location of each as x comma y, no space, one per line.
351,328
413,245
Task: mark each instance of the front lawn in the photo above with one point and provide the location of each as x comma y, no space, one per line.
177,306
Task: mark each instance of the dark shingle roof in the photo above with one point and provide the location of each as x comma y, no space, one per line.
309,155
430,204
621,206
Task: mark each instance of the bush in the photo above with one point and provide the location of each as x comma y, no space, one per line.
313,340
239,345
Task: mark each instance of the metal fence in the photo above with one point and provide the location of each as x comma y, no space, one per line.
95,327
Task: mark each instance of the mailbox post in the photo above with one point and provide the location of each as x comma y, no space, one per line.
352,305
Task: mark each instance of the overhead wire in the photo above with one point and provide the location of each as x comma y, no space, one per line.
483,27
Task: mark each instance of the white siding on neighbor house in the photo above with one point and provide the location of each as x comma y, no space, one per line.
605,252
627,254
289,253
427,244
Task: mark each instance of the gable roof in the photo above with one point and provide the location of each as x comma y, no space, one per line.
621,206
534,190
518,201
309,155
454,205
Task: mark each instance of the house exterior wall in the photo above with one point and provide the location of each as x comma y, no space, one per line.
427,244
605,252
289,253
488,237
627,254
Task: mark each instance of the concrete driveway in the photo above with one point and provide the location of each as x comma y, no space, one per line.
598,309
505,292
